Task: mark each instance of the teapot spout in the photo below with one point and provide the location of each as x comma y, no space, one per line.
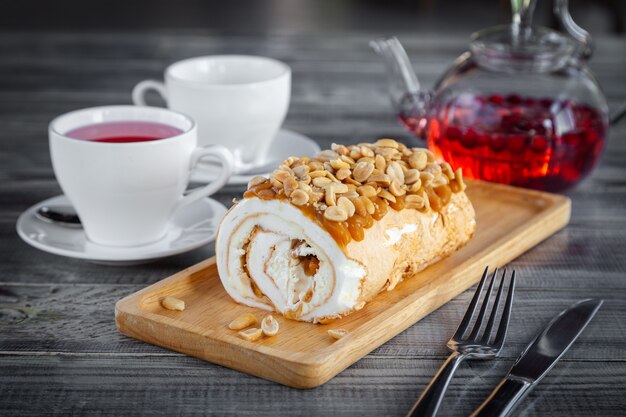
410,103
398,64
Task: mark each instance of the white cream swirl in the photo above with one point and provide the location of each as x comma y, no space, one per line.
268,244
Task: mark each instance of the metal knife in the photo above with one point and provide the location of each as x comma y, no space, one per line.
538,358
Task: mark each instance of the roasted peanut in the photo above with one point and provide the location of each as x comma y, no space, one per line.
387,195
327,155
414,202
173,303
343,173
411,176
256,181
395,172
337,333
251,335
299,197
366,190
346,205
367,151
396,188
335,214
321,181
362,171
289,185
269,325
301,170
387,143
418,160
383,180
243,321
380,163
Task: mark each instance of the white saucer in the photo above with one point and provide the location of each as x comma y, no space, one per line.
191,227
286,143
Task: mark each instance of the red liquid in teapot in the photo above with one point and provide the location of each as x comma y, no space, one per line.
537,143
124,132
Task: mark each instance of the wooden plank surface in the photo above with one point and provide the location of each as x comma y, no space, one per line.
60,351
509,222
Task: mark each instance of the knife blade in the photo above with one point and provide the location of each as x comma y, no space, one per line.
538,358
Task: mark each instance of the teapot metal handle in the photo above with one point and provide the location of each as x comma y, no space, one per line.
561,10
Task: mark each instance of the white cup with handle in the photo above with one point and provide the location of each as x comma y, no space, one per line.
238,101
124,191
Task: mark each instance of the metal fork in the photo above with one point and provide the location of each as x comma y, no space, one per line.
479,344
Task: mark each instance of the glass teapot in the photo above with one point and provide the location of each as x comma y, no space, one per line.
520,107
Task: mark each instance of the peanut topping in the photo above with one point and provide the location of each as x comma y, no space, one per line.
362,171
411,176
394,170
396,188
414,201
338,187
251,335
382,180
321,181
346,205
427,178
367,203
346,188
300,171
343,173
256,181
380,162
387,195
387,143
447,170
418,160
289,185
335,214
337,333
243,321
299,197
269,325
338,164
173,303
367,190
458,178
365,151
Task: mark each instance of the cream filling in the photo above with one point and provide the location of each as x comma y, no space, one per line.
394,234
266,241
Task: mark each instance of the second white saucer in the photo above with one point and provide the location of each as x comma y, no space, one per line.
286,143
191,227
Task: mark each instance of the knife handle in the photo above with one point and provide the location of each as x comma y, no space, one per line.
504,398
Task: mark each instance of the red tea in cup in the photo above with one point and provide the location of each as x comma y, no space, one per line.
124,132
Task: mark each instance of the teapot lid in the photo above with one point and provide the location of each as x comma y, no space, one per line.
521,46
514,49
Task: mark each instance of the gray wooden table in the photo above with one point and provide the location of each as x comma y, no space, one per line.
60,352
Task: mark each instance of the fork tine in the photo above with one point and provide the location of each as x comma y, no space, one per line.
504,321
494,311
483,307
467,318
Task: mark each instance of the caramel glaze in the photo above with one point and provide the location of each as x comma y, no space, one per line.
354,227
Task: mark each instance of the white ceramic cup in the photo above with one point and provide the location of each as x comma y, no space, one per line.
238,101
125,193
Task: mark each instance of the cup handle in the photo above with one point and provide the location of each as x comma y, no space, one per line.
226,159
145,85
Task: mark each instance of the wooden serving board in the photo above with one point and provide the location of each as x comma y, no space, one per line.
509,222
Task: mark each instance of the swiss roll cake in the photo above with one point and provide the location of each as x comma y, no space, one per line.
322,236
